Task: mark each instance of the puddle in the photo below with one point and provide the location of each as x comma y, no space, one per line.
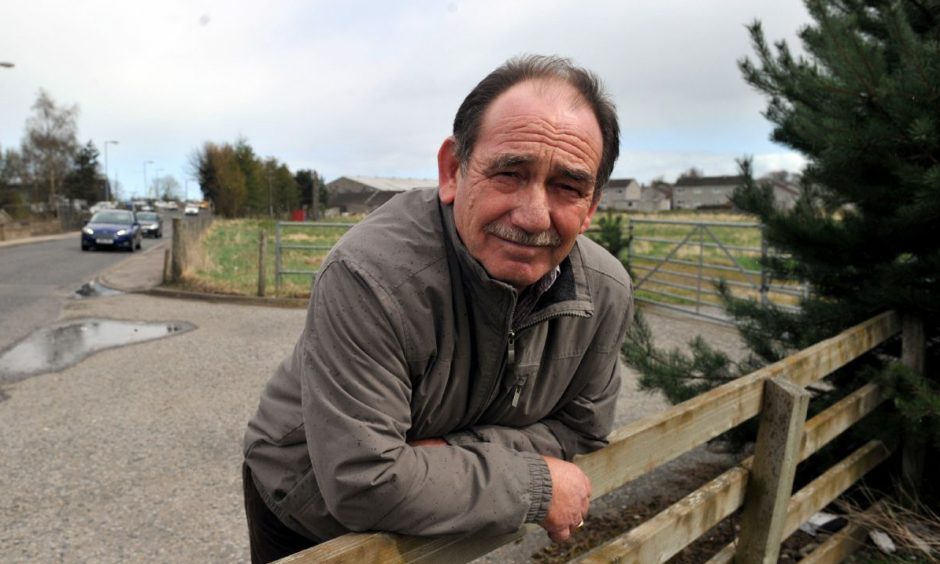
53,348
94,290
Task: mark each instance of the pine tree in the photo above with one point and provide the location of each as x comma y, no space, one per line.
863,106
84,182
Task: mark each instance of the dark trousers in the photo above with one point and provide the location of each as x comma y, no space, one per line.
270,538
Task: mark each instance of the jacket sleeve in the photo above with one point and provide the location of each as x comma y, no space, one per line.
583,423
356,394
581,426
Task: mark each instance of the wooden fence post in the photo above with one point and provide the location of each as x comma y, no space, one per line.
176,266
261,248
782,417
912,356
166,265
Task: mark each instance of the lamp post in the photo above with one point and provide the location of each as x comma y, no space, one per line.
145,177
156,177
107,180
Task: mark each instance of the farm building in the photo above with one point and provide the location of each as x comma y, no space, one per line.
714,192
362,194
626,194
710,192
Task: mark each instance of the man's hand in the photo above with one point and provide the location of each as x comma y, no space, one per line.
571,496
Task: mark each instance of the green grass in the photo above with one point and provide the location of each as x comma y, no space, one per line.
231,257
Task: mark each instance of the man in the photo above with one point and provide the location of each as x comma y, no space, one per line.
461,344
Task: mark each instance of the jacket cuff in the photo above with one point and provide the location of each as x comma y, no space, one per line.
540,487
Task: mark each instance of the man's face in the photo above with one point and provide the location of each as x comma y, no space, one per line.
527,191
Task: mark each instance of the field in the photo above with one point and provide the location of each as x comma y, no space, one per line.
231,257
728,248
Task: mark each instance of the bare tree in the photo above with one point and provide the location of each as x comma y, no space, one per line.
166,187
49,146
692,173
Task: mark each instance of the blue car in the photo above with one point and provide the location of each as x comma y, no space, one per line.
118,229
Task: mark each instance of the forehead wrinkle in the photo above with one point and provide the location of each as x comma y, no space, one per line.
534,125
570,147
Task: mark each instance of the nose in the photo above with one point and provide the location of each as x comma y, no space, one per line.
533,212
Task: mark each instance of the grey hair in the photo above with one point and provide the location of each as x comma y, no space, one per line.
530,67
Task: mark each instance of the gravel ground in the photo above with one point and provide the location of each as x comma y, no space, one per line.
134,454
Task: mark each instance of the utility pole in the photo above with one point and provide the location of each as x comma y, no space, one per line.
315,203
145,177
107,179
270,202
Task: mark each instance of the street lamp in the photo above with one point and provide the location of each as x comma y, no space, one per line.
145,176
107,180
156,177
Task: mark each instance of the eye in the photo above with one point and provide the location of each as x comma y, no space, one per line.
569,189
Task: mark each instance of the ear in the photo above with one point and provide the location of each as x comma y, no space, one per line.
587,219
448,168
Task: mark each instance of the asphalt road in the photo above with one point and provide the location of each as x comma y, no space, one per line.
36,279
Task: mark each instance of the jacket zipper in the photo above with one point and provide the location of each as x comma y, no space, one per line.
511,351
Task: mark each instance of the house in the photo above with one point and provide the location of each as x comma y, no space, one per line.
709,192
714,192
785,193
362,194
626,194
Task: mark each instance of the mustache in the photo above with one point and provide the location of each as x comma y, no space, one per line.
549,238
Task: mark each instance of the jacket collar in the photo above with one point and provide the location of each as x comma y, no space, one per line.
569,295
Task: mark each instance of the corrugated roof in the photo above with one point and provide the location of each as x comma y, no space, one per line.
709,180
619,182
395,184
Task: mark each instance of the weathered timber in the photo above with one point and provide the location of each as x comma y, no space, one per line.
782,418
176,264
262,239
821,491
166,266
643,445
913,347
382,547
663,536
838,417
839,546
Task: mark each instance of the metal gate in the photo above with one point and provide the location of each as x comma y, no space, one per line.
292,236
677,265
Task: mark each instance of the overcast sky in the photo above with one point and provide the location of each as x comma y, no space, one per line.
369,88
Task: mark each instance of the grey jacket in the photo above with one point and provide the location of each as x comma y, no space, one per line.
407,337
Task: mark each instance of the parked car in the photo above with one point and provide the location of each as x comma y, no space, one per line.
191,209
151,224
101,206
112,228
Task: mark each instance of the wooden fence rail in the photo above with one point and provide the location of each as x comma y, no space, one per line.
643,445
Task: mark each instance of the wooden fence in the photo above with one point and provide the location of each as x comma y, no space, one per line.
761,485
